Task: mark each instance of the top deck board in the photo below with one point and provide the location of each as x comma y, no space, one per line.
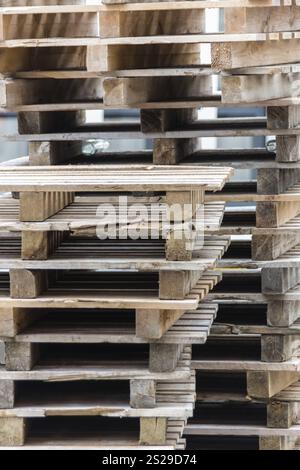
112,178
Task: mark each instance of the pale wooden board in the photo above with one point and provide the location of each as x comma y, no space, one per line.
239,430
241,365
112,178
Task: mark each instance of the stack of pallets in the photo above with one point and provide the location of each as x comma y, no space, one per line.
149,56
98,330
248,372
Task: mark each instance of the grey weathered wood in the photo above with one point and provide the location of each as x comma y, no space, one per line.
35,122
288,148
162,120
164,357
282,312
279,348
268,246
283,117
275,213
172,151
7,394
174,284
279,280
142,393
21,356
276,181
52,153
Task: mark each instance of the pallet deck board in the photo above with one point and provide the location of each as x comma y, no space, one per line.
86,178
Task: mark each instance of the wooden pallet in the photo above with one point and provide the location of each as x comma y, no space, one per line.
131,314
186,187
82,327
151,400
223,400
95,433
92,253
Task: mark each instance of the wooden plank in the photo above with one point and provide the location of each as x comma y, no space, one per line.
112,371
293,365
238,430
112,178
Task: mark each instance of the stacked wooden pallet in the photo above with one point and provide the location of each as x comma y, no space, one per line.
248,372
98,330
148,56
